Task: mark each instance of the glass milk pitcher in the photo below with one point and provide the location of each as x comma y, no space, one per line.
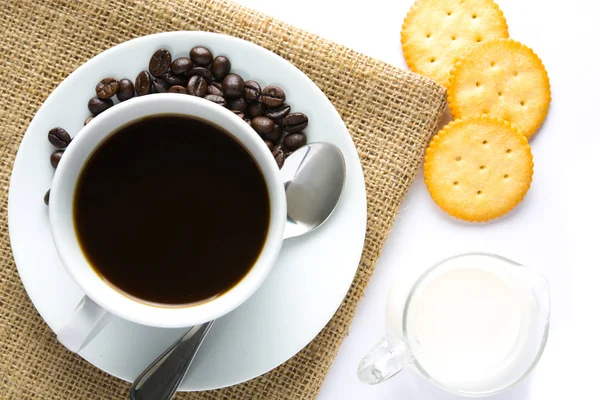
474,324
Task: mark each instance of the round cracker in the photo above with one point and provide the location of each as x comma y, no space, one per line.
479,168
435,33
504,79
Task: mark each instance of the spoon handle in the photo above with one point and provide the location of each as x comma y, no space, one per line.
162,378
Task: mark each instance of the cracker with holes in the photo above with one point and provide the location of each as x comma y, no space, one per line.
479,168
504,79
435,33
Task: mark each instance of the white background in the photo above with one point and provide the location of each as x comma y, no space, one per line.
553,231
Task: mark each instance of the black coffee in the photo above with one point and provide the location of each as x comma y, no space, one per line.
171,210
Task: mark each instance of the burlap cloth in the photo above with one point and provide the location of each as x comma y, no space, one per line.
390,113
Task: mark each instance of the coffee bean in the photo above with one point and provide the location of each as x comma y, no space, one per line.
238,104
242,116
279,155
294,122
143,83
273,96
59,138
126,90
274,134
255,109
197,86
270,145
47,197
55,157
107,88
262,125
215,88
160,62
177,89
215,98
220,67
202,71
88,120
160,86
277,113
252,91
173,79
97,106
201,56
294,141
239,114
233,86
181,65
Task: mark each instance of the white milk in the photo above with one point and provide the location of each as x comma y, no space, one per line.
466,325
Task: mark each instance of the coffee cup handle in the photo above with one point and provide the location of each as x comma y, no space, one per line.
385,360
86,322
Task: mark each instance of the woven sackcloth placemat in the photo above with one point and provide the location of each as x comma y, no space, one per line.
391,115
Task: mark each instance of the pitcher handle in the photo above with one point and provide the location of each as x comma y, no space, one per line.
384,360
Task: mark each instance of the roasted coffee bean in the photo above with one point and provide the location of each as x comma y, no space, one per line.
252,91
88,120
273,96
107,88
279,155
201,56
220,67
294,141
160,62
47,197
215,98
96,105
273,135
55,157
215,88
126,90
160,86
233,86
262,125
239,114
181,65
238,104
277,113
197,86
270,145
173,79
143,83
177,89
294,122
59,138
202,71
255,109
248,121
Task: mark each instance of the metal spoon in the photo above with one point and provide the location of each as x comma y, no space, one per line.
314,178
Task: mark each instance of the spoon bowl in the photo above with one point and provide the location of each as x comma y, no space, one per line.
314,178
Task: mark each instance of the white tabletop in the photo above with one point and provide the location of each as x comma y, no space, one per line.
566,35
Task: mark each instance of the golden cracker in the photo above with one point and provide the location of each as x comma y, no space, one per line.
479,168
504,79
435,33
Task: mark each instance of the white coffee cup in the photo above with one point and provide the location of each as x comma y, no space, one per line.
101,300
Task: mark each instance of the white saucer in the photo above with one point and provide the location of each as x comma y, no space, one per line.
302,293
